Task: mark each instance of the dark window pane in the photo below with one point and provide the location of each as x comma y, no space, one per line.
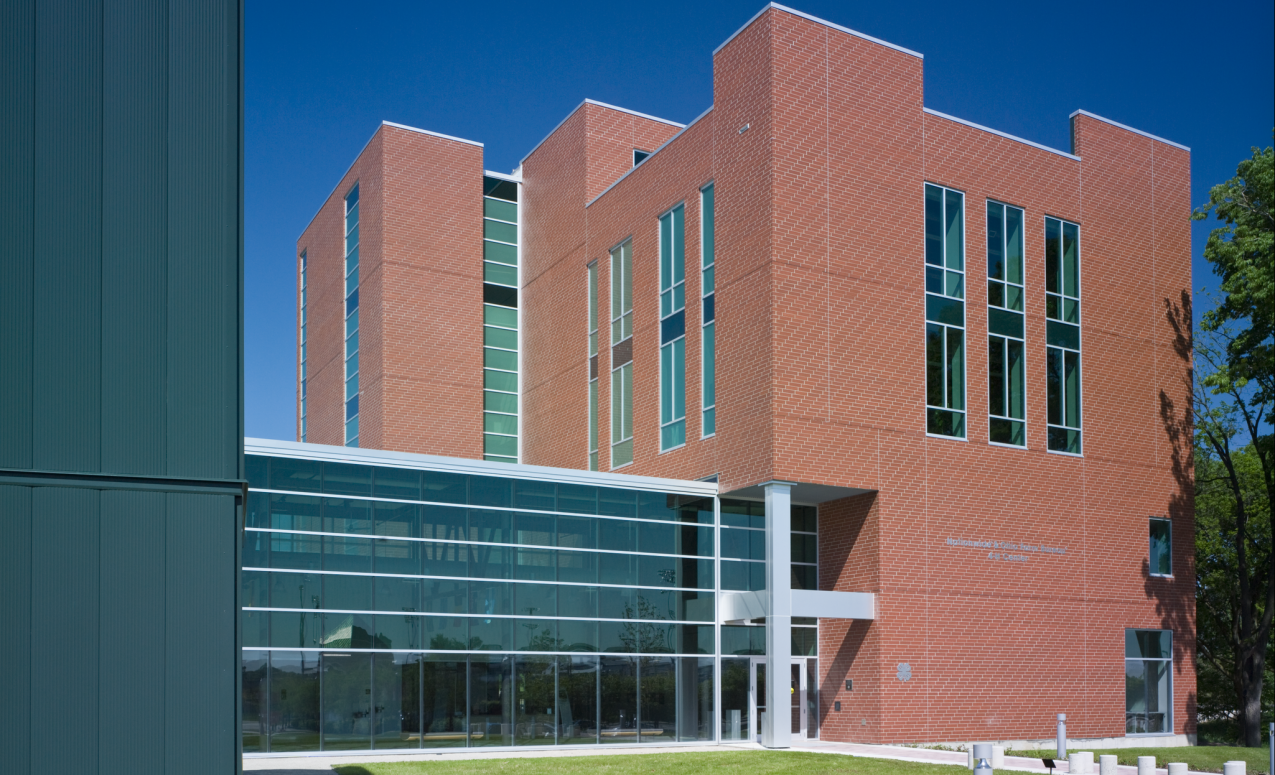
445,596
500,295
397,483
736,544
257,471
397,595
296,590
491,634
1062,335
695,607
805,518
933,225
533,495
617,503
657,505
500,189
253,683
1053,262
804,548
444,523
347,554
804,577
401,520
490,598
617,569
347,631
934,279
490,526
734,575
577,532
1005,323
302,552
536,564
254,589
292,474
1071,260
449,633
710,308
490,562
996,376
294,701
737,641
619,700
396,700
347,701
536,599
1015,380
396,556
577,600
579,499
657,700
995,242
256,628
443,487
695,540
577,697
291,629
536,529
444,559
934,392
443,711
578,566
656,538
805,642
940,309
347,516
672,327
347,593
954,249
578,636
397,631
347,479
490,491
295,512
617,535
536,635
257,512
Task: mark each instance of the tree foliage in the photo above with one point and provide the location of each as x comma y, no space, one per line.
1233,403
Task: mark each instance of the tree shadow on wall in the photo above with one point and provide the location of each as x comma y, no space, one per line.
1174,600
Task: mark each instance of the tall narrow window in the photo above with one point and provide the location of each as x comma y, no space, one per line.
352,317
1062,335
301,343
1006,383
709,339
1147,674
1160,555
500,320
673,328
944,311
622,355
593,366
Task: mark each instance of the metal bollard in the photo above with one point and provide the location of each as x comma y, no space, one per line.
1146,765
1234,768
982,759
1177,768
1107,764
1062,736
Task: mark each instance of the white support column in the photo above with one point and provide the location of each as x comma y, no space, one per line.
776,732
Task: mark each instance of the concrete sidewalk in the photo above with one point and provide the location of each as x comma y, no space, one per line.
323,764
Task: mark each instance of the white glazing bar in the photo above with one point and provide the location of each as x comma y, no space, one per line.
776,730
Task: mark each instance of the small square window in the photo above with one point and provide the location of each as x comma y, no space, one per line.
1160,557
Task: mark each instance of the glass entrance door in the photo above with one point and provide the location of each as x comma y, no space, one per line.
803,690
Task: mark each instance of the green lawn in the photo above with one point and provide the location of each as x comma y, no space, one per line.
715,763
1204,758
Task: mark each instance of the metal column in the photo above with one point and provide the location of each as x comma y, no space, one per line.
776,730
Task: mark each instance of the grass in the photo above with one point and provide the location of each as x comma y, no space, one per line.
1203,758
714,763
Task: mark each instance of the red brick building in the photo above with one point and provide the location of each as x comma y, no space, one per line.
970,351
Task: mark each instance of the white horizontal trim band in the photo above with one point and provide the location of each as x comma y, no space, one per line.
1128,128
999,133
817,20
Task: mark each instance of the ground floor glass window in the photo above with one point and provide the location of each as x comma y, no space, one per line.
1147,676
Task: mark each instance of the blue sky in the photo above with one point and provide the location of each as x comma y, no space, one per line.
319,77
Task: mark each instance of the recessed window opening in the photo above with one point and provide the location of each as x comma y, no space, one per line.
622,355
673,328
708,306
639,156
593,366
352,317
500,320
944,311
1062,336
1160,554
1148,677
301,339
1007,413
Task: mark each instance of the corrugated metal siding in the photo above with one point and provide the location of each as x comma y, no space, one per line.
203,347
15,612
68,236
64,630
133,625
201,679
17,181
135,236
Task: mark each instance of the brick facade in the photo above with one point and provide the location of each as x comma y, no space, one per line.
819,145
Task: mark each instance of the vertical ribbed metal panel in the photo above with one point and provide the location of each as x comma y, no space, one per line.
134,235
64,630
133,625
203,280
17,181
66,428
199,646
15,612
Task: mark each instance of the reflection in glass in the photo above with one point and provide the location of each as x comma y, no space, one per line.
294,701
253,679
490,705
534,713
619,700
657,710
396,698
443,702
735,721
577,700
347,701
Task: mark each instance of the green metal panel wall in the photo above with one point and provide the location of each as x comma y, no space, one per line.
121,386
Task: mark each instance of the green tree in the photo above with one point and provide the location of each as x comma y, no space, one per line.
1234,401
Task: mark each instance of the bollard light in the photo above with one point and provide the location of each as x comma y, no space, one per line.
1062,736
982,759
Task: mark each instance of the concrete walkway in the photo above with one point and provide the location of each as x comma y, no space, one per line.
323,764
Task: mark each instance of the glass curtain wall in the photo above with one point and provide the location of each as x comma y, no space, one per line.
500,320
1062,335
352,317
1006,381
397,608
944,311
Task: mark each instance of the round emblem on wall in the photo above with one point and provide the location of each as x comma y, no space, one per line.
905,671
